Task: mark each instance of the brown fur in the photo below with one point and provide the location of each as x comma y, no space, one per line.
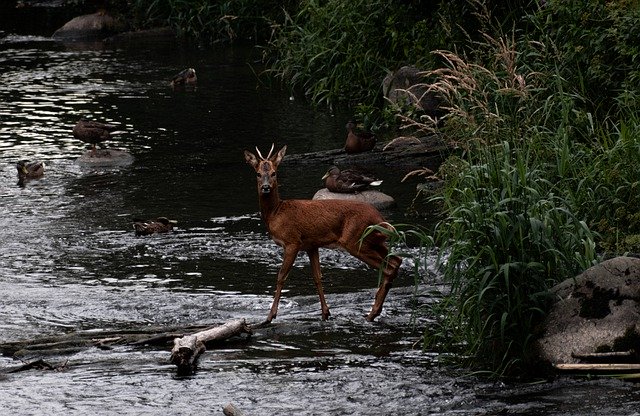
308,225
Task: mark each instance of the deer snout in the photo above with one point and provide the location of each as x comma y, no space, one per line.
265,186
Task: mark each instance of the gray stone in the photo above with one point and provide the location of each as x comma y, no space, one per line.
376,198
90,26
595,312
105,158
408,87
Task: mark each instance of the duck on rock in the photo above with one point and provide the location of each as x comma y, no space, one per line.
158,225
358,141
93,132
348,181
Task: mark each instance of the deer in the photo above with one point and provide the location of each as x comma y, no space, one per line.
306,225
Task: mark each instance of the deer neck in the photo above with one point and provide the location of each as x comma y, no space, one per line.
269,203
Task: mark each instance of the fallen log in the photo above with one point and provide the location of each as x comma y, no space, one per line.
187,350
419,153
70,343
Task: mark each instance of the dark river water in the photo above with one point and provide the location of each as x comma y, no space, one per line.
69,259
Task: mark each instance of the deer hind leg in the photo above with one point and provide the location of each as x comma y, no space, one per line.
314,258
287,263
391,265
375,255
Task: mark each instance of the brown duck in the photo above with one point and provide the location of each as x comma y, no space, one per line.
358,141
29,170
185,77
92,132
348,181
158,225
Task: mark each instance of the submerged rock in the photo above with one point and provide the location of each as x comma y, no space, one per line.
376,198
105,158
597,312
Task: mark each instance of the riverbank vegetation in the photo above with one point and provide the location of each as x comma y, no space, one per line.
541,112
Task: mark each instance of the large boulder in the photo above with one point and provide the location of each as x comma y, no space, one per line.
597,312
90,26
376,198
407,87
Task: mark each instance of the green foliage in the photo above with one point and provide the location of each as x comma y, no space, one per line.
211,21
597,49
542,165
608,193
338,51
509,236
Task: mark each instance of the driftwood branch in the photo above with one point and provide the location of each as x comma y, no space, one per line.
39,364
187,349
599,367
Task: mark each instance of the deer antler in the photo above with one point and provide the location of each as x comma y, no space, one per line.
269,155
271,151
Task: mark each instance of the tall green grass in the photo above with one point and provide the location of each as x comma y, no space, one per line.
544,182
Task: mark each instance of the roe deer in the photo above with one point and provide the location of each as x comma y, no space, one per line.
310,224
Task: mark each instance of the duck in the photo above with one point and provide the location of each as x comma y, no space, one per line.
158,225
184,77
358,141
348,181
29,170
92,132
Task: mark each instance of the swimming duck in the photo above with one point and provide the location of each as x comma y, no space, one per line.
348,181
29,170
358,141
92,132
185,77
158,225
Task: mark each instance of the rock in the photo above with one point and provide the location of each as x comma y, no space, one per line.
407,87
376,198
105,158
598,311
90,26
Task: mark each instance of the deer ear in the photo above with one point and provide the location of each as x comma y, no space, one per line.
250,158
280,155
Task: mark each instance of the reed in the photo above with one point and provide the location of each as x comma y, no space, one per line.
510,228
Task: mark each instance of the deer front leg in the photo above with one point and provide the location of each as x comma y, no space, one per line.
287,263
314,258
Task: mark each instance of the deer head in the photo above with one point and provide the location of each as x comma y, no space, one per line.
265,168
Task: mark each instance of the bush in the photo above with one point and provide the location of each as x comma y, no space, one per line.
540,165
339,52
211,21
509,235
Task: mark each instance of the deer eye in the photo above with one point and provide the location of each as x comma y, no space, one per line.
273,174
